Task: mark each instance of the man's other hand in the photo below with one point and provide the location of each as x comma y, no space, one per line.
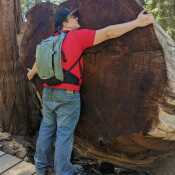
144,19
30,74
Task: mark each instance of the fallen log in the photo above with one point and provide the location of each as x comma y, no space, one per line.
127,113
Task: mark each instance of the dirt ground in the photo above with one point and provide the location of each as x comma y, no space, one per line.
165,166
24,148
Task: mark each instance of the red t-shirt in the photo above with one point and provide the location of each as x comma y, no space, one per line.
73,46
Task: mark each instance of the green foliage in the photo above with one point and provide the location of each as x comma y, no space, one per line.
164,12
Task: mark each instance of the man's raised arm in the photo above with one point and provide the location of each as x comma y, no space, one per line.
117,30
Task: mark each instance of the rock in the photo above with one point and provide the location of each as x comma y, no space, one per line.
4,136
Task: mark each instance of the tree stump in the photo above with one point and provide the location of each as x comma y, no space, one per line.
125,96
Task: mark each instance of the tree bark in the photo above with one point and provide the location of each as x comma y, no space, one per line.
15,99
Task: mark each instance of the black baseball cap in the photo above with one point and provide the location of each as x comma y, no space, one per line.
62,14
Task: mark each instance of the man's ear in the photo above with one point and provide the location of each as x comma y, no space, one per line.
64,24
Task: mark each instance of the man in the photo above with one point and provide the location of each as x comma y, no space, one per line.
61,103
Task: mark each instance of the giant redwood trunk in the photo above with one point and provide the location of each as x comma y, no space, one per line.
15,107
127,95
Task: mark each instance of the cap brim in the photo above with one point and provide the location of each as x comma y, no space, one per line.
74,12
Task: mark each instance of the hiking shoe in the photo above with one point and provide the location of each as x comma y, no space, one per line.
79,170
82,173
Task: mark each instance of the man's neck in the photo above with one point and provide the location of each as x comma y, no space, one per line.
67,29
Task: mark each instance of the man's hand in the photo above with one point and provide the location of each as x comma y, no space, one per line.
30,74
144,19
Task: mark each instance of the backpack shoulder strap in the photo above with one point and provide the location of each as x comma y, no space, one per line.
76,62
56,57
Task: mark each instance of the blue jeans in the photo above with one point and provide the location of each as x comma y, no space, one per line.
61,111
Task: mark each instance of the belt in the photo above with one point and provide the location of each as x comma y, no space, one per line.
71,92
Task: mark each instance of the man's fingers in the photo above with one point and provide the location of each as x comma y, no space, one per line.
142,12
151,17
